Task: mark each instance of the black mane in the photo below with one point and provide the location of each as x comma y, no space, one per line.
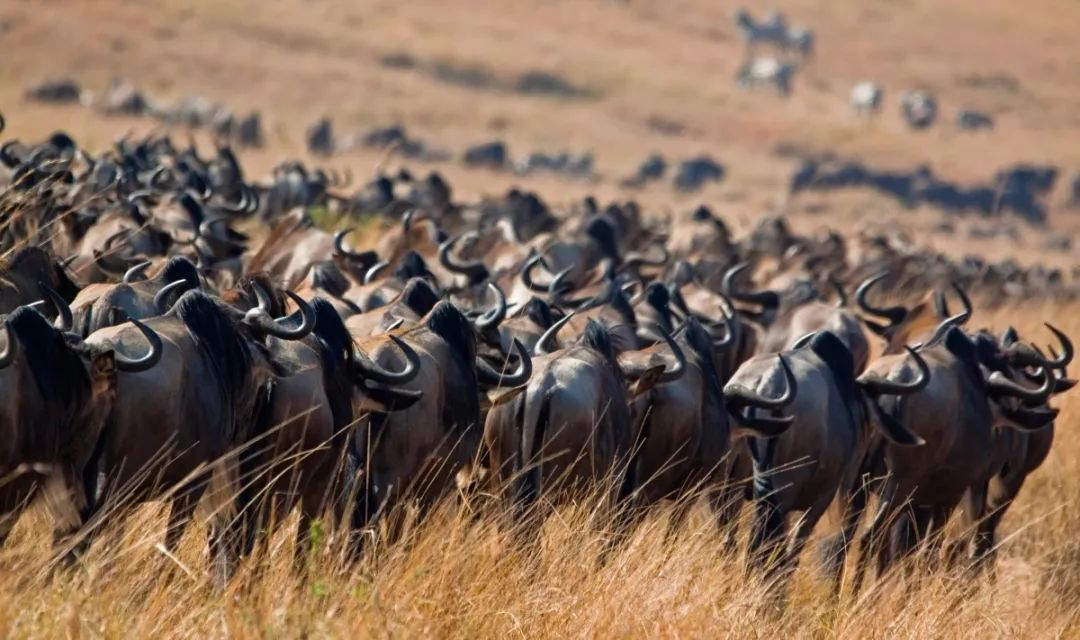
60,377
336,348
221,345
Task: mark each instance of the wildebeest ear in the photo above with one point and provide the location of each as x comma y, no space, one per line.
382,399
495,397
646,381
103,370
892,428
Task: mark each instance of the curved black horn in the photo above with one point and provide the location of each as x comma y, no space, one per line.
895,315
371,371
767,299
841,295
162,296
341,250
137,272
546,342
12,348
475,270
999,386
740,395
878,385
556,291
488,376
497,314
260,316
964,300
1062,361
135,365
674,373
64,319
944,326
373,272
526,274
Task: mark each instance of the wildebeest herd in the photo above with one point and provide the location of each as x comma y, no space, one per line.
173,329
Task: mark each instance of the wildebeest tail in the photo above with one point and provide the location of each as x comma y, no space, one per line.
337,350
528,481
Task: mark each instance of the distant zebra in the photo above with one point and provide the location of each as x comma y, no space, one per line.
767,71
801,41
771,30
866,98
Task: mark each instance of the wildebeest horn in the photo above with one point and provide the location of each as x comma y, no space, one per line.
260,317
135,365
373,272
944,326
965,300
341,250
741,395
497,314
12,348
526,274
999,386
767,299
1062,361
555,292
487,376
64,319
546,342
136,272
895,315
371,371
878,385
141,194
162,296
841,295
674,373
804,340
475,270
206,230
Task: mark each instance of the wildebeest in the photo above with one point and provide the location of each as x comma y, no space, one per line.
58,394
819,457
918,108
956,415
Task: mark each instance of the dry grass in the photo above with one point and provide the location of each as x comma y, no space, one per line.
463,576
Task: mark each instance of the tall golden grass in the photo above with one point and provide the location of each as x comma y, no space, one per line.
462,575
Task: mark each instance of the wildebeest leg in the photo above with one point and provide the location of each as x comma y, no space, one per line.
872,542
16,493
803,528
972,518
833,551
998,502
67,501
181,509
769,524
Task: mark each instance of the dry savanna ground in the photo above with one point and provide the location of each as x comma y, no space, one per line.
640,63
